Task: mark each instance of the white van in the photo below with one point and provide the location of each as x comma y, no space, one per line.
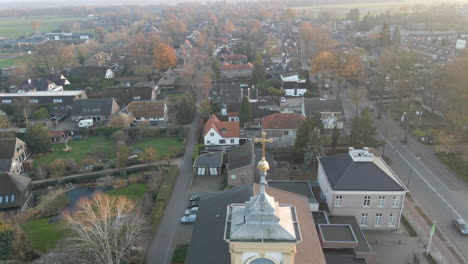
85,123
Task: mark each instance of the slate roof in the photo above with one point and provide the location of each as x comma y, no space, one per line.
88,72
150,109
7,148
36,84
209,160
13,184
240,156
256,111
92,107
347,175
125,95
282,121
316,105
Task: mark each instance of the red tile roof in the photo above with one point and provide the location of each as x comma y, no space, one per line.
282,121
233,57
233,114
230,67
224,129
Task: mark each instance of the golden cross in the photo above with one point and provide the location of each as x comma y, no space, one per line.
263,140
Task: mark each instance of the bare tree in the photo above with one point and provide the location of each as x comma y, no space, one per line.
358,95
105,228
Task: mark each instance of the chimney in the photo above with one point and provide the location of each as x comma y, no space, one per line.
360,155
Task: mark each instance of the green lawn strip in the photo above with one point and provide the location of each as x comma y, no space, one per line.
163,197
134,191
161,144
44,236
80,149
12,61
13,27
180,253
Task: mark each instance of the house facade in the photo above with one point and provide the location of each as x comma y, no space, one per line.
13,152
152,111
237,71
208,164
282,128
361,185
15,192
96,109
241,165
293,85
221,133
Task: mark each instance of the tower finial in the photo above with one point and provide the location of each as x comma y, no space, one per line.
263,164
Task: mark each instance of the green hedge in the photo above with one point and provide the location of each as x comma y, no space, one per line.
196,151
163,196
6,243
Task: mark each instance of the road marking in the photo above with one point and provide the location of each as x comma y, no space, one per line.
425,181
415,170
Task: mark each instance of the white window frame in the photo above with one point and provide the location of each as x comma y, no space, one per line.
364,219
232,141
378,219
367,201
396,202
381,201
392,220
1,199
12,198
212,134
6,101
338,200
7,198
34,101
57,101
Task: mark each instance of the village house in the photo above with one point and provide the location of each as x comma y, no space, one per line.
293,85
362,185
91,72
167,81
57,136
234,59
40,84
15,192
151,111
221,133
208,164
127,94
13,152
98,110
237,71
330,110
282,128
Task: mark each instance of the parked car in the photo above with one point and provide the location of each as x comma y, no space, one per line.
188,219
85,123
461,226
193,210
195,197
283,100
193,204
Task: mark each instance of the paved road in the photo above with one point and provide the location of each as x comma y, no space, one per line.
440,192
160,250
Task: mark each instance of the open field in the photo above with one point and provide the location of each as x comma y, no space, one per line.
44,235
16,27
13,61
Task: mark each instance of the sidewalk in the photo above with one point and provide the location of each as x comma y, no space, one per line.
439,250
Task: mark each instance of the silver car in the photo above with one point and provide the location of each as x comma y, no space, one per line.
188,219
192,210
461,226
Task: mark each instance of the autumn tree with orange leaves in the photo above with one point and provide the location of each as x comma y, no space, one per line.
164,57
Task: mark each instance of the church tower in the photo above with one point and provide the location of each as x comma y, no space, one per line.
262,231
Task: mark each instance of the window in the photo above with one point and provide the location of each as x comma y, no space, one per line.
12,198
232,141
366,201
57,101
364,217
7,198
33,101
212,134
391,220
396,201
7,101
381,201
1,199
285,132
222,141
136,97
378,219
262,261
338,200
208,142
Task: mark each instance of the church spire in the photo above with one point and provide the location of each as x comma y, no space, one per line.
263,165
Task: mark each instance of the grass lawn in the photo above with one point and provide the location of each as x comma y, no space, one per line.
161,144
133,192
16,27
180,253
80,149
13,61
44,236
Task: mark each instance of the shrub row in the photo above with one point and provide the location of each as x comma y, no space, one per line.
163,196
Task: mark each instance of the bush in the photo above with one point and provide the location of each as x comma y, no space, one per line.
6,241
196,151
51,204
123,173
311,94
168,183
105,131
41,113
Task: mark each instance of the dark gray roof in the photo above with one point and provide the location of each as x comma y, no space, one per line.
7,148
256,111
5,165
316,105
363,245
240,156
92,107
125,95
207,244
210,160
16,185
341,256
299,187
346,175
88,72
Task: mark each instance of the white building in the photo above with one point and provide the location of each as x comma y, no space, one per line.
461,44
221,133
293,85
361,185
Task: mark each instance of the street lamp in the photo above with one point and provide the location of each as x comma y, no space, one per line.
419,113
